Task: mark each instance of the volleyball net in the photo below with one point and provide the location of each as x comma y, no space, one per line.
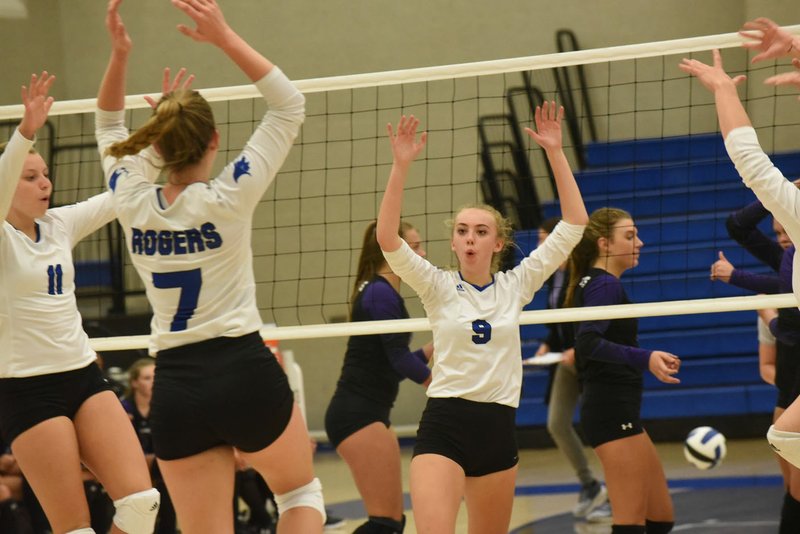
640,135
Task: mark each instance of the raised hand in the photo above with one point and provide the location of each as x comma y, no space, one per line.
168,85
787,78
120,40
548,126
37,103
722,269
664,365
210,25
405,147
712,76
768,38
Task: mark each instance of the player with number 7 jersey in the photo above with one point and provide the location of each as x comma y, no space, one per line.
217,387
193,251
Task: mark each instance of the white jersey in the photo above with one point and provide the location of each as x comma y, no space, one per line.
194,255
780,196
477,353
40,326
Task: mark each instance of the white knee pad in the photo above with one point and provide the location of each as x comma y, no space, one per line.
136,513
309,495
82,531
786,444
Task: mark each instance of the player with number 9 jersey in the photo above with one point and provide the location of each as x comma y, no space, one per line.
466,444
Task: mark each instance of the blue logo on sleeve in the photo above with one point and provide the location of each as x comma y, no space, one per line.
240,168
112,181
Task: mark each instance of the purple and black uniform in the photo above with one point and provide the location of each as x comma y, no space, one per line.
610,363
743,227
373,366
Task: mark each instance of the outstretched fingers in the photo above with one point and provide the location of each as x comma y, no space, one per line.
403,139
37,103
168,84
547,119
210,25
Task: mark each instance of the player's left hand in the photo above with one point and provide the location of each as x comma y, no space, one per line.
168,85
713,77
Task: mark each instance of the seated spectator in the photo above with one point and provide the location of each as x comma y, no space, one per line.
136,401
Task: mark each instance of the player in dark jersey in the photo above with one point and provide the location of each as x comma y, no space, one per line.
218,386
783,324
357,420
610,366
136,401
778,195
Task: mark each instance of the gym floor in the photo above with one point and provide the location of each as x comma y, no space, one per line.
744,494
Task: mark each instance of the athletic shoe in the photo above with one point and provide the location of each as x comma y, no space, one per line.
591,496
601,514
333,522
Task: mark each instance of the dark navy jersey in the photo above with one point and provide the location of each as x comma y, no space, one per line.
607,351
141,425
375,364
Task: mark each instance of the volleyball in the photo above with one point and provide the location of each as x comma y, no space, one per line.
704,447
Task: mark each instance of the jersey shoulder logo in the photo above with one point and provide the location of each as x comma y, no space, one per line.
112,181
459,287
584,281
240,168
627,426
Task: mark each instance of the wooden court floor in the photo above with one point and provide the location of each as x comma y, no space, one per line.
744,494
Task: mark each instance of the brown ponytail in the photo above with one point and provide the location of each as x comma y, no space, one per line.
583,256
371,258
182,125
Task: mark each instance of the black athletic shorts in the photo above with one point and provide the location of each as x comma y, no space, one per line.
349,412
26,402
222,391
787,374
610,412
478,436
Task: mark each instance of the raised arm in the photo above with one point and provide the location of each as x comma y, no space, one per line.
405,148
37,104
111,95
210,27
548,136
730,110
769,40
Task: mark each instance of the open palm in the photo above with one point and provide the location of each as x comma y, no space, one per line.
548,126
405,146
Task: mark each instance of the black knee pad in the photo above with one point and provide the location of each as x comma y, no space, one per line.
790,515
658,527
381,525
628,529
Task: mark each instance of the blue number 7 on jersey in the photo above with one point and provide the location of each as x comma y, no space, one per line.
189,282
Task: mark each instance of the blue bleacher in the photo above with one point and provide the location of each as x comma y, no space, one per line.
680,191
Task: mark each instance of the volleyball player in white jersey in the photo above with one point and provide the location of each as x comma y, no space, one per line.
466,445
779,195
56,410
217,386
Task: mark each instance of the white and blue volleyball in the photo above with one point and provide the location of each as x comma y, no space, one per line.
704,447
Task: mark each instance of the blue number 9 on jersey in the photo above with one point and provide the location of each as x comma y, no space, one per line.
483,332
